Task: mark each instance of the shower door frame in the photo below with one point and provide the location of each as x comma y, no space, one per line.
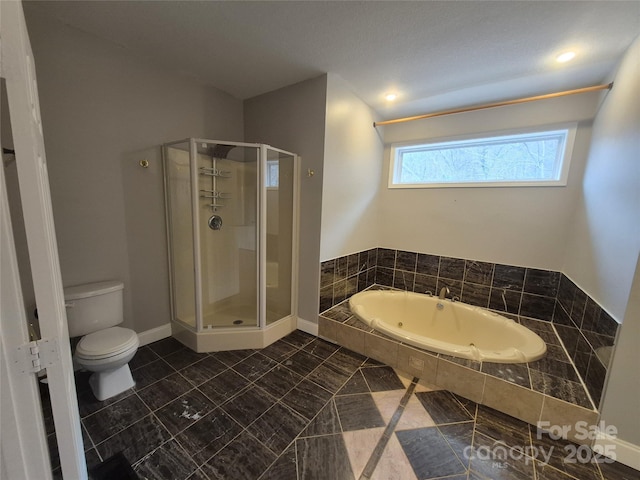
261,233
262,244
195,217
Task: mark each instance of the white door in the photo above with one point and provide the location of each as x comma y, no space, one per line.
22,435
23,446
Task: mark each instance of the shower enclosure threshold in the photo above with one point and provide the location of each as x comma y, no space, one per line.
233,338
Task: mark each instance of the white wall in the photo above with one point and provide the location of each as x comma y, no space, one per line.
352,169
293,119
524,226
103,111
620,406
602,255
605,236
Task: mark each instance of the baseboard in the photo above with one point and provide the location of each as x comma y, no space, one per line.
155,334
624,452
307,326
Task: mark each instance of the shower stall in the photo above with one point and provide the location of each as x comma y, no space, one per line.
231,211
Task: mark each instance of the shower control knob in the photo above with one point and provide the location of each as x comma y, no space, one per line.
215,222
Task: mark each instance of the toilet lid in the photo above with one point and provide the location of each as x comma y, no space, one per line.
107,342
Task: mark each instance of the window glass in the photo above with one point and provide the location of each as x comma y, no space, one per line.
272,174
528,158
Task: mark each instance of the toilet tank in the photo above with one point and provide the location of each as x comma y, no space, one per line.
93,306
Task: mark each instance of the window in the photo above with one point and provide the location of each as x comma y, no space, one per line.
273,170
532,158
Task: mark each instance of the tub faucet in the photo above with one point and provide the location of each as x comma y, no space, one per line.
444,291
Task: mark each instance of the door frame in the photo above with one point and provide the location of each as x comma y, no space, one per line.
18,69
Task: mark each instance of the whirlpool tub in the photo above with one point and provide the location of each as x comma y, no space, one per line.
448,327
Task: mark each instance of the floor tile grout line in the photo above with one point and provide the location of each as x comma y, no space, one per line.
328,402
319,357
171,436
189,453
294,440
246,430
93,445
150,412
335,409
455,454
148,454
464,407
280,364
600,471
454,476
208,459
472,420
132,392
170,401
473,439
342,385
365,381
372,463
252,382
179,446
575,368
295,453
533,458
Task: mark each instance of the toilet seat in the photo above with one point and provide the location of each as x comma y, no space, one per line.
106,344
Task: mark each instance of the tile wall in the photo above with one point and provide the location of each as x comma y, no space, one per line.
584,327
588,333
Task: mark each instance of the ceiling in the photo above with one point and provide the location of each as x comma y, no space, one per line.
434,54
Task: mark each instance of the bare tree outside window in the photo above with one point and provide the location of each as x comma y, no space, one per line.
530,157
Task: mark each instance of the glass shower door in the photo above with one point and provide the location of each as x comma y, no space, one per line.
228,236
279,197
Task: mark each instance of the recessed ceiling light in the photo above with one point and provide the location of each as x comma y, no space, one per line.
391,96
565,57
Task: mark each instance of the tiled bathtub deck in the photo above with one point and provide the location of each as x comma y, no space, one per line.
304,408
545,390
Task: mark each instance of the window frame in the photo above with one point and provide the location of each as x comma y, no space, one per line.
560,182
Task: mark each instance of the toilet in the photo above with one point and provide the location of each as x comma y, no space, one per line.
93,311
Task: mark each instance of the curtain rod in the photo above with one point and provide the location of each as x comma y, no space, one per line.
594,88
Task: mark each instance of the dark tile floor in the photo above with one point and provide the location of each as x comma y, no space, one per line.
304,408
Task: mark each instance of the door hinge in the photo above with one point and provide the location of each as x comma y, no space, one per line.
35,356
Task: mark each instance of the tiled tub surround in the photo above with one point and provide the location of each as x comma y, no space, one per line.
588,334
305,409
583,326
547,390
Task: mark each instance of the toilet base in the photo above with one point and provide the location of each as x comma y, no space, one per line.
110,383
